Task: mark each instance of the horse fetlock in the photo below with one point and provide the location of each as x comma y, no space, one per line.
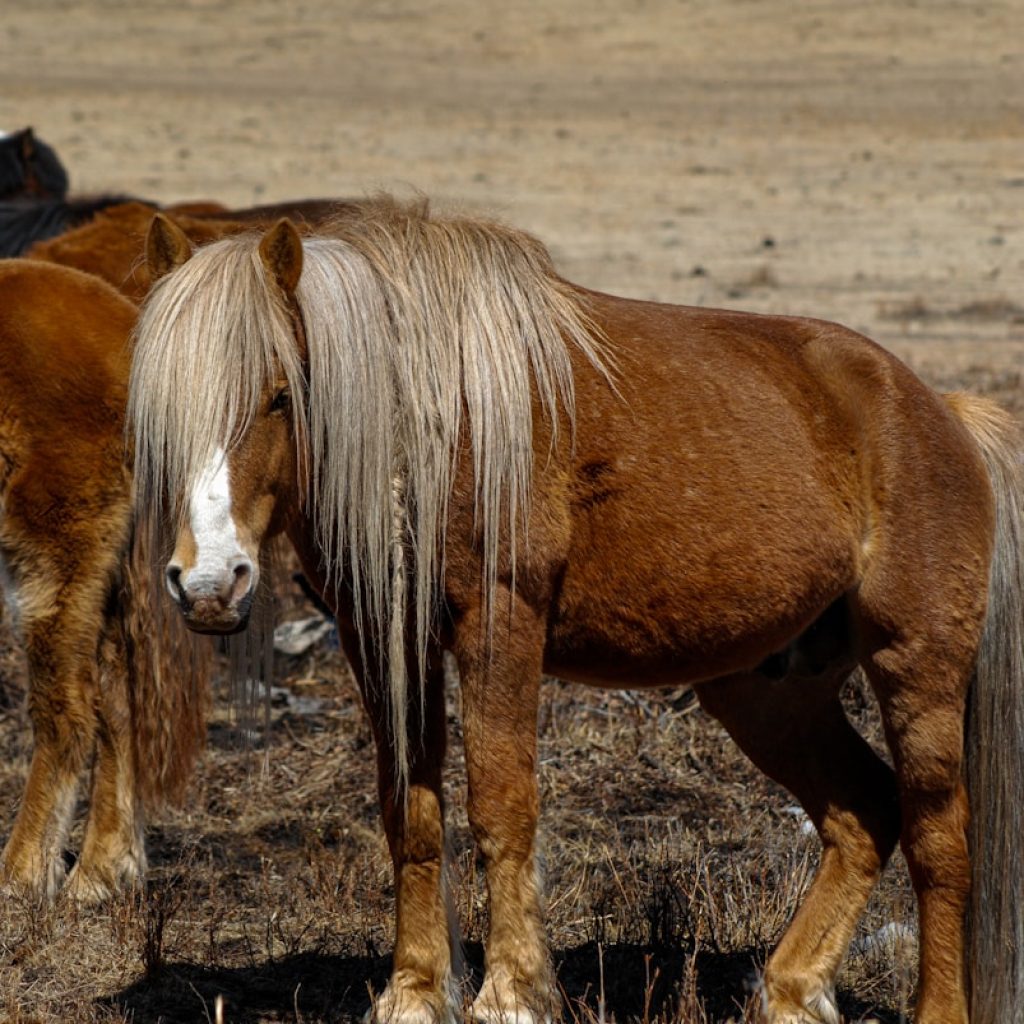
804,1003
411,1001
504,1000
29,871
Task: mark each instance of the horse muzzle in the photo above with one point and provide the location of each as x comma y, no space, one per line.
219,603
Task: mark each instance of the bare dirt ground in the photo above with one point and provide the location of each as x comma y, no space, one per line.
858,162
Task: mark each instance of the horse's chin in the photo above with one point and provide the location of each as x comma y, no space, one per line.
219,622
218,628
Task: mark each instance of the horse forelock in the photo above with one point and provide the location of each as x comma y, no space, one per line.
209,338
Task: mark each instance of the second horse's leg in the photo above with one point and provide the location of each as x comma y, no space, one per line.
62,688
113,851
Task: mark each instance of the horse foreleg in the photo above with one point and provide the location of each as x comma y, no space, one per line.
796,732
113,850
500,692
420,988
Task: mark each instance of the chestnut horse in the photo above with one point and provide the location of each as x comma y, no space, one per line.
471,454
28,223
111,680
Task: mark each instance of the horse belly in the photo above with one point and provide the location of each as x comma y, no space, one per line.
687,576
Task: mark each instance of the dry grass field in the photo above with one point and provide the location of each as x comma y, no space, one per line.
858,162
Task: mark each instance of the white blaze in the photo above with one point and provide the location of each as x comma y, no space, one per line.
217,547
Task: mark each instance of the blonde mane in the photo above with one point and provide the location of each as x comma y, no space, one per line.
420,330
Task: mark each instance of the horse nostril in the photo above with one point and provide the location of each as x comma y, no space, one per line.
173,577
242,571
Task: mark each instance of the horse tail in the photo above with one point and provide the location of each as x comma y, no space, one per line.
168,676
995,733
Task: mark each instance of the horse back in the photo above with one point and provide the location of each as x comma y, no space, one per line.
112,244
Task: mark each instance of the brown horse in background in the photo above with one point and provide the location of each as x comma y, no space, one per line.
112,243
111,681
471,454
148,725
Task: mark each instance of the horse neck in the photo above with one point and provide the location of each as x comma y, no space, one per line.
14,181
23,222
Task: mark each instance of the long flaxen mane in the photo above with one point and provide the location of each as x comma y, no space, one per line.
422,331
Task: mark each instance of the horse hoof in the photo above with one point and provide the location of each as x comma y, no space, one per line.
88,890
520,1015
92,882
503,1004
33,879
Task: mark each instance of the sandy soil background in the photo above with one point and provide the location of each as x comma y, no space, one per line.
859,162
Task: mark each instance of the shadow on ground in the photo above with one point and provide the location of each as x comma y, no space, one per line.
638,984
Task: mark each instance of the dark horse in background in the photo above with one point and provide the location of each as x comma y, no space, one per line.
29,168
35,207
34,201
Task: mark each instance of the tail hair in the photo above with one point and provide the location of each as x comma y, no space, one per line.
169,681
995,733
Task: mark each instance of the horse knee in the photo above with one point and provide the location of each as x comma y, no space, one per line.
64,724
504,818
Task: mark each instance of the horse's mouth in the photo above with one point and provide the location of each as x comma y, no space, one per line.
218,621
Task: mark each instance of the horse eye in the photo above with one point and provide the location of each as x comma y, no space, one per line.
282,400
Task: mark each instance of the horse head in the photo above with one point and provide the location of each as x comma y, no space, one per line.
29,168
241,490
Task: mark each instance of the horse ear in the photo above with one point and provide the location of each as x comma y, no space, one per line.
28,144
167,247
281,252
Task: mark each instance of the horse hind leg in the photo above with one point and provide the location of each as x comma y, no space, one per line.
795,730
113,853
921,679
61,708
